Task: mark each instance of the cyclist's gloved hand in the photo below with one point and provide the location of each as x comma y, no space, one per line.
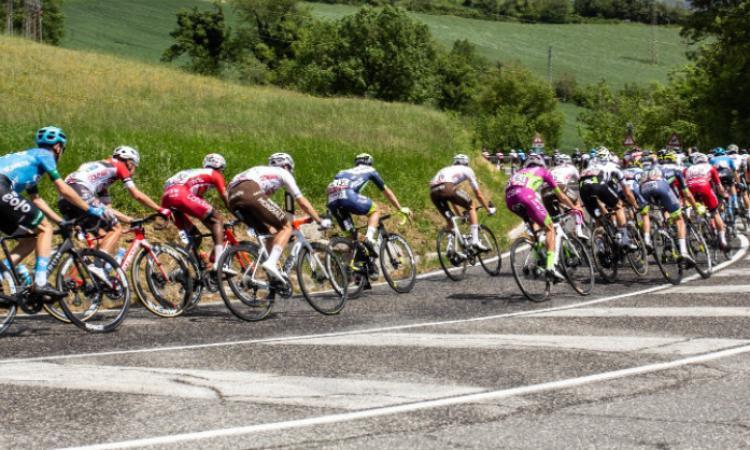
166,213
326,223
96,212
491,210
405,211
700,209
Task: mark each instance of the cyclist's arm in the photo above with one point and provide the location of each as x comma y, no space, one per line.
122,217
391,197
482,199
45,208
221,188
308,208
70,195
143,199
629,194
564,199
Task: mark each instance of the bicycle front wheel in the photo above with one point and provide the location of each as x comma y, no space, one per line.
577,266
98,290
8,306
452,263
343,248
491,260
322,279
246,294
528,266
398,263
667,256
637,259
166,275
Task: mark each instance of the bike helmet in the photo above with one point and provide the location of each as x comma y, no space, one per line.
461,160
364,159
534,160
49,136
561,159
214,161
281,160
670,157
719,151
732,149
603,154
743,151
126,153
698,158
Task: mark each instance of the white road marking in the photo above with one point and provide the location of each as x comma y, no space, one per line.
712,289
418,406
679,311
732,273
340,393
662,345
737,256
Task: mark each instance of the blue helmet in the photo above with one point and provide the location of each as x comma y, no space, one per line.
719,151
49,136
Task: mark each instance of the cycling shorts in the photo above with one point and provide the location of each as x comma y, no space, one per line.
350,203
591,190
70,211
17,214
658,192
525,203
184,203
442,195
705,193
727,177
248,202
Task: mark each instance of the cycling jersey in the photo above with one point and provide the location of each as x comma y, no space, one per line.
602,172
565,174
656,187
725,166
633,181
197,181
25,169
455,174
270,179
521,194
354,179
701,179
98,176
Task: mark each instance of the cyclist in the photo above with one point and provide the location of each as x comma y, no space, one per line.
184,192
740,164
21,172
599,182
444,192
703,182
633,174
345,199
522,197
656,188
566,176
249,200
92,181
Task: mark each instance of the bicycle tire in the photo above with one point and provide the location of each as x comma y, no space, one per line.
665,256
331,273
178,274
452,271
96,275
697,246
392,258
195,274
638,259
529,270
8,305
577,257
244,305
604,254
488,237
344,249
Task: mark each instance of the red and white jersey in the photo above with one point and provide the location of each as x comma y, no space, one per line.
455,174
270,179
565,174
198,181
701,174
97,176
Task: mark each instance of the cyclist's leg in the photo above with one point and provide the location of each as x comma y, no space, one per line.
441,202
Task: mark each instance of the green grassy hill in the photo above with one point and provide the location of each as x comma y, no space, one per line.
176,118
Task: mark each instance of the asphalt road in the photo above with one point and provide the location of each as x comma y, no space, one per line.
450,365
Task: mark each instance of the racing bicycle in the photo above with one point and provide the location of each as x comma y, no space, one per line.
455,251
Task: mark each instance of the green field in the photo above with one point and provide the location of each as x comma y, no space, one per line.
175,118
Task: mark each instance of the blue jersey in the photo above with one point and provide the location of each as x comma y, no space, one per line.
25,169
357,178
722,163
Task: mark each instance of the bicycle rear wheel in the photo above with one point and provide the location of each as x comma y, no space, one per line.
398,263
322,279
8,306
700,252
528,266
343,248
166,275
247,297
453,265
577,266
666,255
637,259
604,255
98,290
492,260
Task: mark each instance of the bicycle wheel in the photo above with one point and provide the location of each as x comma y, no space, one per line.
398,263
576,265
453,264
322,279
666,255
194,272
492,260
8,306
637,259
165,275
699,251
604,255
98,291
528,266
243,285
343,248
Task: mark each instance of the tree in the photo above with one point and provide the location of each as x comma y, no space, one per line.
53,20
458,76
204,36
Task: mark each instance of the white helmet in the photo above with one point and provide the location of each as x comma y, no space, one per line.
214,161
461,160
126,153
732,149
699,158
603,154
535,160
281,160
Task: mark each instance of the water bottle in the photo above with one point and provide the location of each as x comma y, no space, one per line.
23,274
184,237
120,255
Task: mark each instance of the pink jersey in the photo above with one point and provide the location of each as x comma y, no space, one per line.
97,176
198,181
533,178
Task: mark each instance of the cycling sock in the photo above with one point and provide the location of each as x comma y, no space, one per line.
370,235
550,260
723,236
683,246
40,272
734,202
647,238
273,258
474,233
624,233
6,263
218,250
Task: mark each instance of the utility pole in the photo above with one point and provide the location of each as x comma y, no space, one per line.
549,64
9,17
